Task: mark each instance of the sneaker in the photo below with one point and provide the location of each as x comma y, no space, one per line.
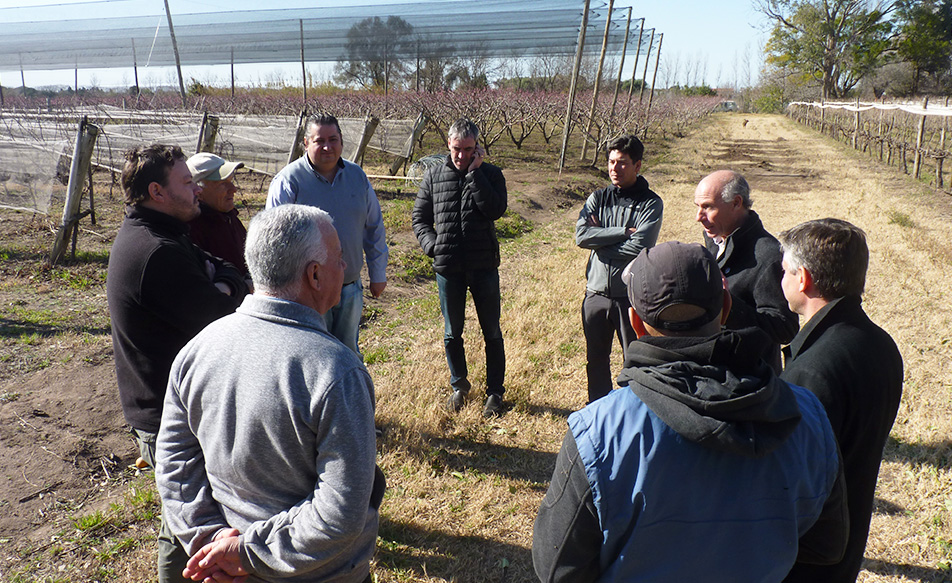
494,406
456,401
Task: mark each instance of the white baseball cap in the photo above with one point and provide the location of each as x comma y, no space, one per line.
206,166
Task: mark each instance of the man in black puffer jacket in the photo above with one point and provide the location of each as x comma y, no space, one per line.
453,220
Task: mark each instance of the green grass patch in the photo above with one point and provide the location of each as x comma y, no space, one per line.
92,522
397,215
92,257
77,280
376,355
36,318
901,219
512,225
412,265
569,349
143,502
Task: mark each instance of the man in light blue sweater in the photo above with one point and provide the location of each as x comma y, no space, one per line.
321,178
266,452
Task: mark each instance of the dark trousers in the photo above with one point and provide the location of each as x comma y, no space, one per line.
172,557
484,285
602,319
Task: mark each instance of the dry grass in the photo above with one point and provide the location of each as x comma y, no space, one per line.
464,491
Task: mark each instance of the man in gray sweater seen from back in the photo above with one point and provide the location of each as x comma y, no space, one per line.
266,452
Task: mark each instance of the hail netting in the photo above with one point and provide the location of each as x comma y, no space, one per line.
34,161
32,39
36,148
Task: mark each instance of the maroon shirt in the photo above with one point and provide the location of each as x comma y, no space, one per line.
220,234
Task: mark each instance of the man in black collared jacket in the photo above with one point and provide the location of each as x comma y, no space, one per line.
851,364
749,257
162,290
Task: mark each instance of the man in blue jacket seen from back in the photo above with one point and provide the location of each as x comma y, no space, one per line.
706,467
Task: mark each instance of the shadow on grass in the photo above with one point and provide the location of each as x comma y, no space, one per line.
541,410
910,572
12,328
887,508
407,550
938,455
463,455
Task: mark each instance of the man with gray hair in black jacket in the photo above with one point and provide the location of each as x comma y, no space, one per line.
749,257
847,361
453,218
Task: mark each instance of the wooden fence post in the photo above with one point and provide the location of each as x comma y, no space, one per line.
856,127
207,134
78,170
879,134
297,145
889,130
370,126
917,164
939,181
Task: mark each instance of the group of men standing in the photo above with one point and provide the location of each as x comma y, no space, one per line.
707,425
255,409
257,412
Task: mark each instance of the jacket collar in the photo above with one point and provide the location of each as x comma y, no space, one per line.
210,213
636,190
736,239
714,391
282,311
820,321
340,166
451,166
156,219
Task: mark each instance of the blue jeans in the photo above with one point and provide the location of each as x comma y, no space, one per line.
484,285
343,320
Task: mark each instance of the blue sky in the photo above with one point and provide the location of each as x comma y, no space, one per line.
718,43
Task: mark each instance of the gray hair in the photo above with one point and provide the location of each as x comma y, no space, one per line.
281,242
462,129
737,186
833,251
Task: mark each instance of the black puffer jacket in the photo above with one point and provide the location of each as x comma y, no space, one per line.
454,213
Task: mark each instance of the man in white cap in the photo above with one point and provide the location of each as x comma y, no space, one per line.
218,230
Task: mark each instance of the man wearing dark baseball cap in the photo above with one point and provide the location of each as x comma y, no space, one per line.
704,466
218,230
